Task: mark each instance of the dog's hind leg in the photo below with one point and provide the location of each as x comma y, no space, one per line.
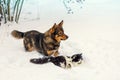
28,44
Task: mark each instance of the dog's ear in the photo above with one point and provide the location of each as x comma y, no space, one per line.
53,28
61,23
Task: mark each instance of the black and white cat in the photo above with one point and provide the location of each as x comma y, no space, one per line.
61,61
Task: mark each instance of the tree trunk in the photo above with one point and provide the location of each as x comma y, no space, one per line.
8,10
20,11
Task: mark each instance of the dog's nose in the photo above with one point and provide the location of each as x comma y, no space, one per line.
66,37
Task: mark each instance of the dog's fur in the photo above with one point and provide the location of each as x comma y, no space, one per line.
46,43
61,61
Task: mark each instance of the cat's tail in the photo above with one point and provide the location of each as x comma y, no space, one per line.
41,60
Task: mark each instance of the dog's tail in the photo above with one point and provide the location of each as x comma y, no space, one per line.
42,60
17,34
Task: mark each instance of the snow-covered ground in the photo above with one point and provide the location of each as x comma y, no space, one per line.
93,30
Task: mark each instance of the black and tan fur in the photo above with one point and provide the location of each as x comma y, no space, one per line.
46,43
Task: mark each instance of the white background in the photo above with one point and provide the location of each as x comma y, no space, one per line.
93,30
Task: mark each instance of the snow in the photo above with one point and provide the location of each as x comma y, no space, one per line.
93,30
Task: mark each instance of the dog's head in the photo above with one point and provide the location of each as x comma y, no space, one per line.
77,59
57,32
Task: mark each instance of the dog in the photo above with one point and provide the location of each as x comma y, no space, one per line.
46,43
65,62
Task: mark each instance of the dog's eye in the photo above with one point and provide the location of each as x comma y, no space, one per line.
60,33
